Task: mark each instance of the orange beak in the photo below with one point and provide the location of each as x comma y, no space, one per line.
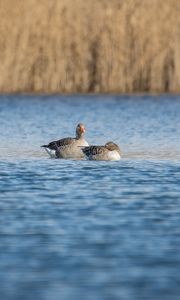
82,129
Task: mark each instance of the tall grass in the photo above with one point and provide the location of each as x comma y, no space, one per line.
53,46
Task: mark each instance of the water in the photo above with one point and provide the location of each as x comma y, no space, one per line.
90,230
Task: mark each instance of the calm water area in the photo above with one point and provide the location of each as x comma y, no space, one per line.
78,229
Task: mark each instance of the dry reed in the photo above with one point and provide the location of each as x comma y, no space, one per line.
69,46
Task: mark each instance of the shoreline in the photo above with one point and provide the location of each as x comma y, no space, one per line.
136,94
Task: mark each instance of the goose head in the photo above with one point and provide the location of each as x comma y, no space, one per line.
80,131
112,147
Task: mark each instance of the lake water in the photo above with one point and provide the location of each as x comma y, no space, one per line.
90,230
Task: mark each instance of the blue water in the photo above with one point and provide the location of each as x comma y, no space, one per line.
90,230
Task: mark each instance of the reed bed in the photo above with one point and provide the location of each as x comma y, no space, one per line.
69,46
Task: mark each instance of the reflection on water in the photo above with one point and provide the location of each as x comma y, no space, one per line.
93,230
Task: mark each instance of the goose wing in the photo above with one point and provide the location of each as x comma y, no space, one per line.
59,143
94,150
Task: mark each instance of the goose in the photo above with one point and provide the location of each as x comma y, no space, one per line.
110,151
68,147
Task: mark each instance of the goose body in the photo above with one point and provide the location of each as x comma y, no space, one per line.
68,147
110,151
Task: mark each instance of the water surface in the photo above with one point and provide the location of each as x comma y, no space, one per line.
93,230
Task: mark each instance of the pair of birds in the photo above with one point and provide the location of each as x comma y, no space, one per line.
78,148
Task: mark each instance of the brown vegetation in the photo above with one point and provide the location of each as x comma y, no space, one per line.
53,46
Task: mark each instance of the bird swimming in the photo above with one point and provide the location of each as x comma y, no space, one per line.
68,147
110,151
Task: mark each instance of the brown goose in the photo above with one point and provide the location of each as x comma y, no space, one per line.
68,147
110,151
